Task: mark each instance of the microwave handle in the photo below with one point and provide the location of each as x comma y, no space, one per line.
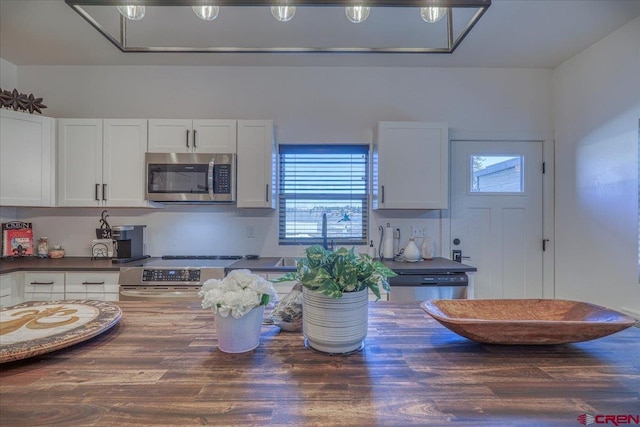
212,165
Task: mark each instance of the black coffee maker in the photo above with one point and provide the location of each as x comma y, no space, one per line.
129,243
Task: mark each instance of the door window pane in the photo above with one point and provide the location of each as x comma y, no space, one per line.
497,174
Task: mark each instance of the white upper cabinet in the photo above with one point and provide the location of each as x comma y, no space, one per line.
123,148
256,160
27,159
411,160
192,136
101,162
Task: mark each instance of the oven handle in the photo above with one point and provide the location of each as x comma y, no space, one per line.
158,294
212,164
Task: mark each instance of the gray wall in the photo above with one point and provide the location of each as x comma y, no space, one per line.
597,113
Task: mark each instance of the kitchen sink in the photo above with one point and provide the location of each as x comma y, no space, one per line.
287,262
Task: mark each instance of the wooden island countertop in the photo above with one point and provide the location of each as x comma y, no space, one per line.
160,366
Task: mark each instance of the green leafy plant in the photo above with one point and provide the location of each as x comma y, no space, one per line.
334,272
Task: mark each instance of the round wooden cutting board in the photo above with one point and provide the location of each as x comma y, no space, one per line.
38,327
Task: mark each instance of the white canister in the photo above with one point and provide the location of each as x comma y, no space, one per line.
427,249
411,251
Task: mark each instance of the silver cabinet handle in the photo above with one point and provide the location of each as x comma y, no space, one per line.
187,140
382,194
41,283
104,192
266,192
97,189
93,283
194,138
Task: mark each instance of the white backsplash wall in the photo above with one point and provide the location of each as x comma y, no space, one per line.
192,230
200,229
429,221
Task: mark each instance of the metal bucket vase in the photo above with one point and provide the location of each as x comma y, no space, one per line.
239,335
335,325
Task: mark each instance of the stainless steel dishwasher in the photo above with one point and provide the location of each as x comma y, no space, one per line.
420,287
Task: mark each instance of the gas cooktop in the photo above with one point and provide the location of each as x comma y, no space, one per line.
193,261
202,257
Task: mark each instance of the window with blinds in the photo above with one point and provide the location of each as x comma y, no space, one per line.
319,180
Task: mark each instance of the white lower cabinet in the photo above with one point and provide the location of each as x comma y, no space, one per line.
50,286
43,286
10,289
102,286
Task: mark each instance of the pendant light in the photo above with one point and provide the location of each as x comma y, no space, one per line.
432,14
134,13
283,12
206,12
357,14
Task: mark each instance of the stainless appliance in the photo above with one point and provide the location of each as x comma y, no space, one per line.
174,277
128,243
421,287
190,177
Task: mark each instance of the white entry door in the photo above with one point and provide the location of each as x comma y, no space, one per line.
496,215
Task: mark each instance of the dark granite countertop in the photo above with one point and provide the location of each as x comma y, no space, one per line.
260,264
62,264
434,266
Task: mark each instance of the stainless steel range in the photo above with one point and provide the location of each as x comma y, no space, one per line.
174,277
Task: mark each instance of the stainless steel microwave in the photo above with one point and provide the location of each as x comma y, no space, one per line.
190,177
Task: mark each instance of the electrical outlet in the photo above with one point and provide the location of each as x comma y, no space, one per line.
251,231
417,231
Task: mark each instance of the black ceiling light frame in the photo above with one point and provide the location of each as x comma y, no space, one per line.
452,42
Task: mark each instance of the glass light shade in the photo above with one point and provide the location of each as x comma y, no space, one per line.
283,13
432,14
357,14
206,13
134,13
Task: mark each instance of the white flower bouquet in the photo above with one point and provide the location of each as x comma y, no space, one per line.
237,294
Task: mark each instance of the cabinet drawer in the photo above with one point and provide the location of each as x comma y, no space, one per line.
44,283
91,283
6,300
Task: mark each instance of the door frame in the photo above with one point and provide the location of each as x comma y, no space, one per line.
548,194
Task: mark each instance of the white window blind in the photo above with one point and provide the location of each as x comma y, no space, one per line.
323,179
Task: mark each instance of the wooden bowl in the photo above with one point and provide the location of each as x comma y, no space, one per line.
526,321
56,253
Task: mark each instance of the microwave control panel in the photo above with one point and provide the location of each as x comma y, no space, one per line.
222,179
171,275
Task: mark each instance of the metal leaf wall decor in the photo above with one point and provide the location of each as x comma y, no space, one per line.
20,101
